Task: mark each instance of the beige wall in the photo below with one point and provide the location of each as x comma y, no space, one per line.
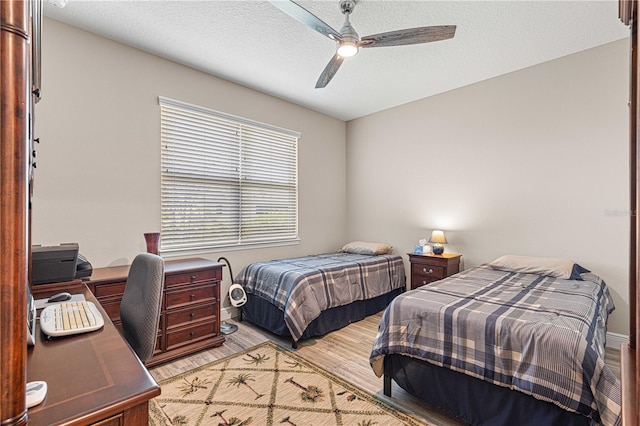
97,180
532,163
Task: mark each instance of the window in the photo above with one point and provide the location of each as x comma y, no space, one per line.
226,181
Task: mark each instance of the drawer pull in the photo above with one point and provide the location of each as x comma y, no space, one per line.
193,296
192,315
193,277
430,271
192,333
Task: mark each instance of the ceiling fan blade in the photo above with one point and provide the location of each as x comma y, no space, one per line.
409,36
309,19
329,71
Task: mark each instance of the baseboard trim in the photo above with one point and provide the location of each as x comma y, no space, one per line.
228,313
614,340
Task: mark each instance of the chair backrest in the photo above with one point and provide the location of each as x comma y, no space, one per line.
141,304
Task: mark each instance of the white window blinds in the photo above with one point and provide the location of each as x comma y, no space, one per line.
226,181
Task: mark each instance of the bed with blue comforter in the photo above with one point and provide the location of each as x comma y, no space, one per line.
502,347
311,295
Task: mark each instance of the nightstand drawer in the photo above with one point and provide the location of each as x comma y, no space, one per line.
193,277
427,268
115,290
112,308
185,316
191,295
428,272
188,335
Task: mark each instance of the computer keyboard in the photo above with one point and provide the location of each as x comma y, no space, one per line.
68,318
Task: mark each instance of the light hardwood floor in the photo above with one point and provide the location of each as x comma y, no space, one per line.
344,352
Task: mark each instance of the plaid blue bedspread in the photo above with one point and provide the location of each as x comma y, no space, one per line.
540,335
303,287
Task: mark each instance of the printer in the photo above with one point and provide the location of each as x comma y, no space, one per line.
58,263
83,267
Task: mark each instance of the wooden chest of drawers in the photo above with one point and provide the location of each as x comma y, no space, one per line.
189,320
428,268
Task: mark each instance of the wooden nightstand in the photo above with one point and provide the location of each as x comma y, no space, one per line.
427,268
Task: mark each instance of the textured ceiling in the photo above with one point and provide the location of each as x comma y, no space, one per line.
256,45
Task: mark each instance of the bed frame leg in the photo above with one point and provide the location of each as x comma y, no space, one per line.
294,344
387,386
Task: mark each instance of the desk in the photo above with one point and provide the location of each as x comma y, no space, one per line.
92,378
189,318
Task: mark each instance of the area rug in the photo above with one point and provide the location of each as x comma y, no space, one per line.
268,385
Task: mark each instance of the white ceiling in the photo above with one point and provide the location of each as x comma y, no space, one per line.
256,45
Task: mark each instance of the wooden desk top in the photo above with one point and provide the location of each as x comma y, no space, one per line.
120,272
90,376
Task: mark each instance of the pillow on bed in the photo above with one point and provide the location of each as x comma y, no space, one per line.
363,247
548,266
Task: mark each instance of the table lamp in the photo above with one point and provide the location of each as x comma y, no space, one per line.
438,239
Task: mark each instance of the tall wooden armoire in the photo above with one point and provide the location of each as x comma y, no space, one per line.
19,90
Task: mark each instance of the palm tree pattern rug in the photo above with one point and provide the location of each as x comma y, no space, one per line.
268,385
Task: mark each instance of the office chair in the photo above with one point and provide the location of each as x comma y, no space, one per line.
141,304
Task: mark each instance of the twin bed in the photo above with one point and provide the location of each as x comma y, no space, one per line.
312,295
518,341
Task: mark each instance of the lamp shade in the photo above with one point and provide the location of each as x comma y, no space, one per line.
438,237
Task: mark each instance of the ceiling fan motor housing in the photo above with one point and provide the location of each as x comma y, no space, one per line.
348,33
347,6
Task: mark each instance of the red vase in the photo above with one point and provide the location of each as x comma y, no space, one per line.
152,239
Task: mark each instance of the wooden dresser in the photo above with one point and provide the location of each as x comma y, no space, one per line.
427,268
190,316
20,88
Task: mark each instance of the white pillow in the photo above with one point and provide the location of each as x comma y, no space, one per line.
549,266
363,247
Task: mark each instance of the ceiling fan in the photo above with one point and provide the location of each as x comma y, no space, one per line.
348,40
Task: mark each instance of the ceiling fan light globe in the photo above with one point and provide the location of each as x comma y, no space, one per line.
347,49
